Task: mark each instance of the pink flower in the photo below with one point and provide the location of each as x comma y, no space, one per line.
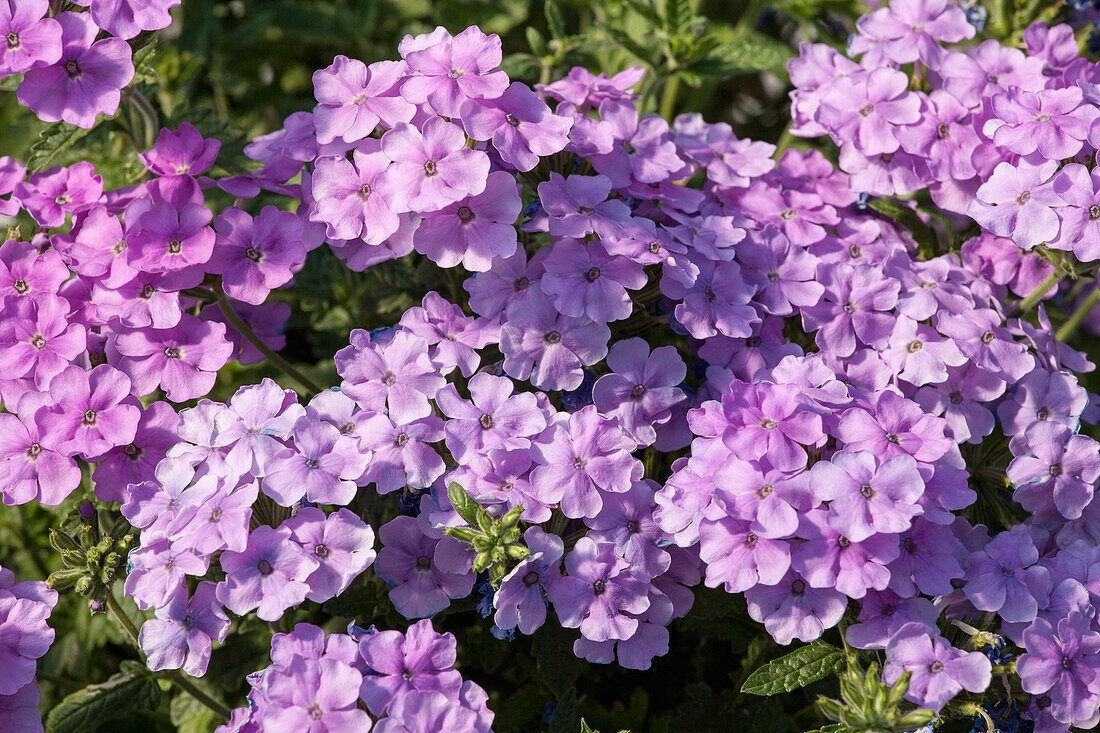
432,167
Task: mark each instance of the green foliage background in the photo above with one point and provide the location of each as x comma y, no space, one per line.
235,69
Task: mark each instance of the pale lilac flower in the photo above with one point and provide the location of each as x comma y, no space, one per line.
268,576
322,465
520,125
128,18
425,572
1062,660
181,634
791,609
397,376
738,558
598,592
353,99
37,340
183,360
520,601
1017,201
476,229
868,495
255,256
939,670
547,348
402,455
495,418
352,199
585,281
909,29
1003,577
830,560
1043,396
448,73
432,167
853,307
1054,465
453,337
643,387
341,542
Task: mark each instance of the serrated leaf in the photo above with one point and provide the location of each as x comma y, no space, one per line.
741,52
54,140
554,20
558,666
795,670
565,714
144,72
678,16
95,704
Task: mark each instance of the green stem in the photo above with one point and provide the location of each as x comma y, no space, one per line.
243,328
174,675
1070,326
1037,294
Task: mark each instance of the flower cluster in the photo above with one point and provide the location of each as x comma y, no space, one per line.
24,637
406,681
824,407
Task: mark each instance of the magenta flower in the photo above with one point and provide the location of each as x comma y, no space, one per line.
31,39
168,238
1062,660
547,348
127,18
939,670
432,167
181,152
52,194
580,459
476,229
425,572
865,108
92,413
36,339
353,98
447,73
32,464
1080,192
793,610
352,198
401,455
256,256
183,360
399,664
494,418
769,419
598,592
181,634
134,462
268,576
85,81
341,542
520,125
322,465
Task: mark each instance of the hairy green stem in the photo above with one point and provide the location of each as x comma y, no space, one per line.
1068,328
271,355
174,675
1037,294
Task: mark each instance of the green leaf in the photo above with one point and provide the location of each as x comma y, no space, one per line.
797,669
831,728
558,666
116,698
740,52
536,42
924,235
678,16
554,20
585,728
191,716
463,503
144,72
54,140
565,714
622,38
